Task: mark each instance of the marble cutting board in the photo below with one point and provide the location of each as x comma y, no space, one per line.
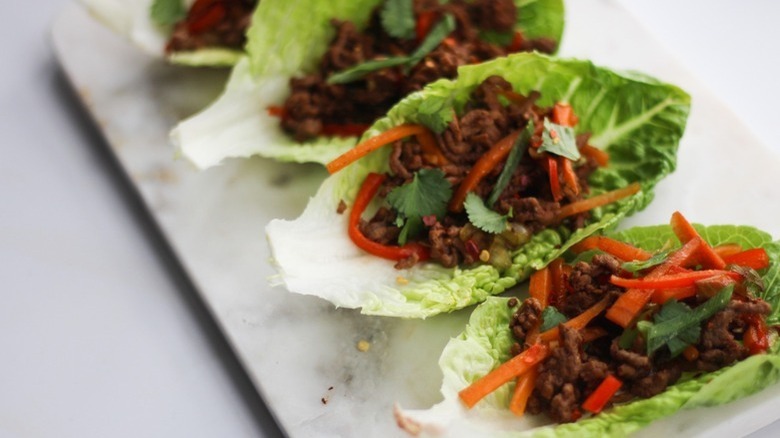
302,354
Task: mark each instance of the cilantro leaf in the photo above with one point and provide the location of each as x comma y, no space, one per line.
637,265
437,34
398,19
559,140
678,326
515,155
167,12
551,317
427,194
482,217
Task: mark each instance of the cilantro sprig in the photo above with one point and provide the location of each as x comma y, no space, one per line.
678,326
559,140
551,317
638,265
484,218
512,161
427,194
398,18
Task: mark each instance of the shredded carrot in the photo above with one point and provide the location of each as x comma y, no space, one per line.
277,111
569,177
523,389
621,250
482,167
541,286
555,182
628,305
671,281
599,156
557,282
598,200
563,114
685,232
520,364
430,149
590,334
373,143
727,249
578,322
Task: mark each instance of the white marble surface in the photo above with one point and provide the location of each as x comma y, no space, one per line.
98,338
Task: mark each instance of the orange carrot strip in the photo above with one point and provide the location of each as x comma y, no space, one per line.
621,250
592,333
430,149
598,200
569,177
373,143
555,182
685,232
727,249
631,303
578,322
671,281
523,390
755,258
563,114
482,167
599,156
522,363
541,286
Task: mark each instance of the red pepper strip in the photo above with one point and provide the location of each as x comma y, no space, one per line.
277,111
482,167
423,26
755,258
430,149
207,20
603,393
563,114
373,143
599,156
523,389
727,249
755,338
663,295
541,286
517,43
613,247
555,183
367,192
685,232
598,201
578,322
670,281
631,303
558,283
345,130
569,177
199,6
518,365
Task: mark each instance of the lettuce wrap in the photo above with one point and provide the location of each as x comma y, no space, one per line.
486,341
637,119
288,39
149,23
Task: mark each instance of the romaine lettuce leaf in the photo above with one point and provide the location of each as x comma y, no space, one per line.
638,120
486,341
132,19
288,38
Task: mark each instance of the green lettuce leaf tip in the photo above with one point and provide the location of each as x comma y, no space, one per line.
639,121
288,38
486,341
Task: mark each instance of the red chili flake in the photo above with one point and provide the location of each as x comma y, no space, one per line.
472,249
430,220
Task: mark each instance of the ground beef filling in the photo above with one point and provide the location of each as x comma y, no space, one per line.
575,368
453,240
212,23
314,104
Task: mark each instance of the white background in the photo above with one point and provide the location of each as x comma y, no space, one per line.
99,334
